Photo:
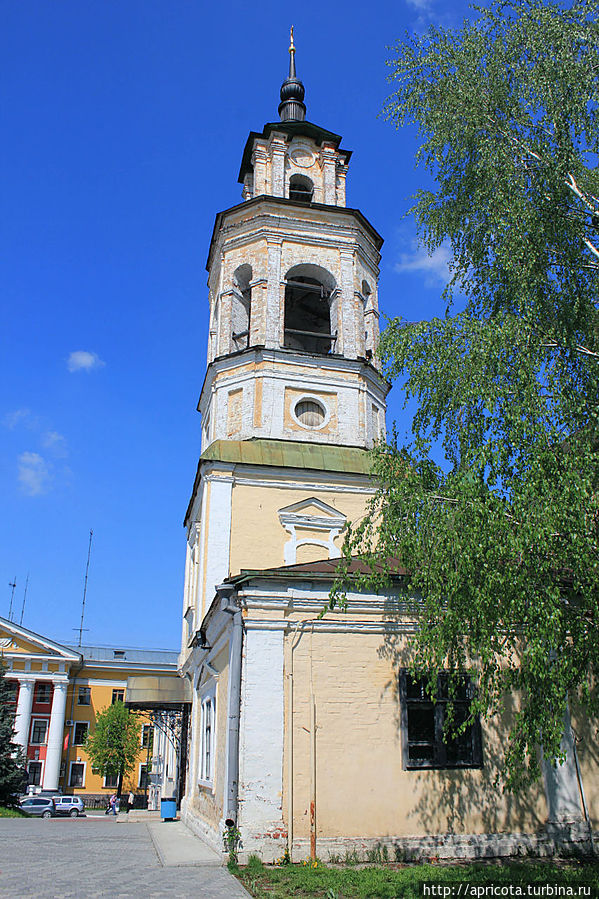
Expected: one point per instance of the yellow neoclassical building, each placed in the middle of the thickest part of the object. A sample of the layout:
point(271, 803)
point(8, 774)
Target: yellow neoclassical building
point(306, 730)
point(58, 692)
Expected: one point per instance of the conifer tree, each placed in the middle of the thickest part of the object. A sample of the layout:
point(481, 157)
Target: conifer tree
point(13, 774)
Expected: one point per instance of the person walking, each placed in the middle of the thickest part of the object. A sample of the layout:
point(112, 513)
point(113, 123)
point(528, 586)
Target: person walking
point(112, 803)
point(130, 800)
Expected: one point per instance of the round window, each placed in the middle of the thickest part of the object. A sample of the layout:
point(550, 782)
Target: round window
point(309, 413)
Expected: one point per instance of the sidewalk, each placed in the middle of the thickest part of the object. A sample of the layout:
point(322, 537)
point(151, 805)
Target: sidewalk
point(178, 847)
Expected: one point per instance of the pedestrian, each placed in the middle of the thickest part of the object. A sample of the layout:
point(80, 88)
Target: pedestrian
point(112, 803)
point(130, 801)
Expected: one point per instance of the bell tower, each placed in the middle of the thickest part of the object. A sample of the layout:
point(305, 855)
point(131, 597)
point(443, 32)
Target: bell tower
point(293, 295)
point(292, 398)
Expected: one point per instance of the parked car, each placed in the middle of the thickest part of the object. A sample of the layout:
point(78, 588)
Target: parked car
point(42, 808)
point(69, 805)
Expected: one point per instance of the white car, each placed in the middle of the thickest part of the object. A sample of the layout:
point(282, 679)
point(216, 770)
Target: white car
point(69, 805)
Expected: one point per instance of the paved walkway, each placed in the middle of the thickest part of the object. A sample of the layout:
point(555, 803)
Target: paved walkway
point(89, 857)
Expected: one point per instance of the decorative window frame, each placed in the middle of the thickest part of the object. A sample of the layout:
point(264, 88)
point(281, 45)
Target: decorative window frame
point(47, 687)
point(75, 723)
point(85, 691)
point(34, 720)
point(207, 749)
point(311, 398)
point(41, 763)
point(80, 786)
point(330, 523)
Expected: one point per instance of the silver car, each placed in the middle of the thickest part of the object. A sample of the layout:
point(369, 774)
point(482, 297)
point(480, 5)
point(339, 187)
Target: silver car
point(42, 808)
point(69, 805)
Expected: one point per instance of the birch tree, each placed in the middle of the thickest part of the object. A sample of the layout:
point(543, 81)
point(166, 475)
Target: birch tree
point(493, 506)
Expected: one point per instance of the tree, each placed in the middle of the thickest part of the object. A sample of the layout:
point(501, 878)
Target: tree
point(113, 746)
point(13, 772)
point(493, 505)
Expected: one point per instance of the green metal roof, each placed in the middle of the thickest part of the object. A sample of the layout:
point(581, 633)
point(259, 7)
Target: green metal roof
point(289, 454)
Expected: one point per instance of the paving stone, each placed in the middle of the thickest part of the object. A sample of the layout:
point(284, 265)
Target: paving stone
point(90, 857)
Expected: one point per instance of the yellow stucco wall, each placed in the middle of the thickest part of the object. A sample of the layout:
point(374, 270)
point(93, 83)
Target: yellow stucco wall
point(362, 787)
point(258, 537)
point(101, 682)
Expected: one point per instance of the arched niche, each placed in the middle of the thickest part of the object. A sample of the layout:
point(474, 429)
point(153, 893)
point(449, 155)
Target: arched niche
point(309, 298)
point(241, 307)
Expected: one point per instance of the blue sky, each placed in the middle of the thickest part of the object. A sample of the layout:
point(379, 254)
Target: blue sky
point(124, 122)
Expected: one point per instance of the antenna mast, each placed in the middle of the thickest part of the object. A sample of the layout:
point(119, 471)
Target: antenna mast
point(12, 593)
point(89, 551)
point(24, 598)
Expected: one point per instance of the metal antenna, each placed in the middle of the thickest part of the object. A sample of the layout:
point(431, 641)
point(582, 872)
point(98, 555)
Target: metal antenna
point(12, 593)
point(81, 628)
point(24, 598)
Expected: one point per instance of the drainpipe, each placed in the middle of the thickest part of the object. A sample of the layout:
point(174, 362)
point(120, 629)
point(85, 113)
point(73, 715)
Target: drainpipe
point(225, 591)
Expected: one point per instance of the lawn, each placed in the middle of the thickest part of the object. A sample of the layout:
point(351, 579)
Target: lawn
point(12, 813)
point(406, 881)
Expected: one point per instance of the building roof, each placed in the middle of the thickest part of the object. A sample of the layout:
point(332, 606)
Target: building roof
point(323, 569)
point(123, 654)
point(290, 454)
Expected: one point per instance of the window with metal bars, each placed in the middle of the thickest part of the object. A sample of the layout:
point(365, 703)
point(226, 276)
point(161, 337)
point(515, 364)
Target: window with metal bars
point(426, 741)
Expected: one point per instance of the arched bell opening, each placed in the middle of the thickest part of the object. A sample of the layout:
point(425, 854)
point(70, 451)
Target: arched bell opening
point(308, 293)
point(301, 189)
point(241, 307)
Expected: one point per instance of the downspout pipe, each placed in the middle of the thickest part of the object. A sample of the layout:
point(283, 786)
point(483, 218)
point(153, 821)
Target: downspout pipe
point(230, 607)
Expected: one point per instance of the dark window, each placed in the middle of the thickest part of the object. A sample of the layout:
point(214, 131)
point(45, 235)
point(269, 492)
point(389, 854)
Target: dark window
point(146, 735)
point(307, 316)
point(38, 731)
point(34, 774)
point(143, 777)
point(77, 773)
point(111, 780)
point(118, 696)
point(80, 734)
point(43, 693)
point(301, 189)
point(423, 718)
point(84, 696)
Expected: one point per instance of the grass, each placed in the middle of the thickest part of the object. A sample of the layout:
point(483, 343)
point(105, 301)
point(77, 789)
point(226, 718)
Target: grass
point(405, 881)
point(12, 813)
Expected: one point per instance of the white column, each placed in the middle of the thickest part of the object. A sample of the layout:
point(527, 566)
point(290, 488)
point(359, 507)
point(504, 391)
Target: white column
point(23, 716)
point(55, 734)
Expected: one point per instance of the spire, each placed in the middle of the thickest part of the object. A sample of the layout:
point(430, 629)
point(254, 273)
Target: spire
point(292, 107)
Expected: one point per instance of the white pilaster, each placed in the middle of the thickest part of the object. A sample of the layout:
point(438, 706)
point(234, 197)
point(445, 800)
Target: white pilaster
point(261, 743)
point(55, 734)
point(273, 295)
point(23, 715)
point(218, 537)
point(561, 782)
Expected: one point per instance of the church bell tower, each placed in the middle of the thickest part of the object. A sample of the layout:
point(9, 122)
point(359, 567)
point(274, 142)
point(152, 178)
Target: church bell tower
point(292, 397)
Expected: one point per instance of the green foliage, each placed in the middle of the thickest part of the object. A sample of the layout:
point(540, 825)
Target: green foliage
point(13, 774)
point(493, 506)
point(231, 842)
point(384, 883)
point(113, 746)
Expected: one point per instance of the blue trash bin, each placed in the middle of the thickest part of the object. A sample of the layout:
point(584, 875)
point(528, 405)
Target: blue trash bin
point(168, 808)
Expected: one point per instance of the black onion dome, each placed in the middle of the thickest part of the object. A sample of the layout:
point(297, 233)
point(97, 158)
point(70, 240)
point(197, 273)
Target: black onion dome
point(292, 107)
